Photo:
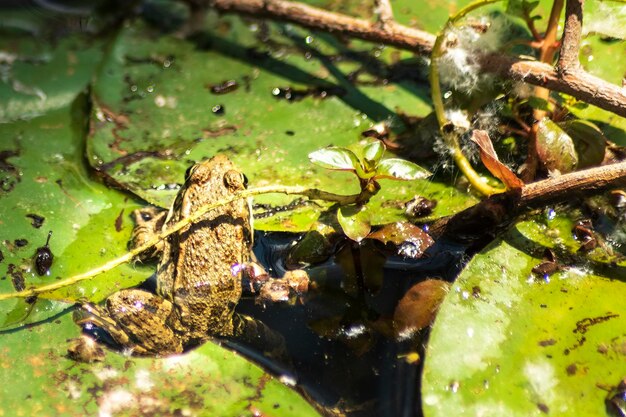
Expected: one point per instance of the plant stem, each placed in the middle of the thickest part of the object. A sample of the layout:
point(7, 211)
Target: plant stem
point(312, 193)
point(451, 139)
point(546, 55)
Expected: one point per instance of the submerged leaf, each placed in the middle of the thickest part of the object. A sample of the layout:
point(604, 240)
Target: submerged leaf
point(418, 307)
point(555, 147)
point(492, 163)
point(400, 169)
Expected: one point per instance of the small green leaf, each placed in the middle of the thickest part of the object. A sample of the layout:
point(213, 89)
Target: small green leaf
point(400, 169)
point(373, 152)
point(539, 104)
point(589, 141)
point(354, 221)
point(521, 8)
point(335, 158)
point(555, 147)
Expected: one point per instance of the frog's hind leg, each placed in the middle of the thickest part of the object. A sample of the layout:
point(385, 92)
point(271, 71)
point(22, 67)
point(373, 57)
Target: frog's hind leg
point(136, 320)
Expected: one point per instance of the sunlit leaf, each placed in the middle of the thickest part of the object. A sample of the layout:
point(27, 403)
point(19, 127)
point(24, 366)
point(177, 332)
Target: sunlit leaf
point(589, 141)
point(335, 158)
point(506, 342)
point(354, 221)
point(400, 169)
point(208, 381)
point(373, 152)
point(492, 163)
point(555, 147)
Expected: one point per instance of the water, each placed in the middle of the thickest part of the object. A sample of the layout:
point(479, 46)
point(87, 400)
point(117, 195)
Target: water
point(341, 351)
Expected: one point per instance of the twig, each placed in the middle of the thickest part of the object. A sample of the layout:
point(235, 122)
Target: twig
point(311, 17)
point(312, 193)
point(570, 42)
point(546, 55)
point(484, 218)
point(580, 85)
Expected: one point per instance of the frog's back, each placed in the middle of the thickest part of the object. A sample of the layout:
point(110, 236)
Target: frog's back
point(195, 272)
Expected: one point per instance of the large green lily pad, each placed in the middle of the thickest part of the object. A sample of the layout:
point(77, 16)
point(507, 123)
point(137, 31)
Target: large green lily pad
point(209, 381)
point(509, 342)
point(44, 177)
point(154, 113)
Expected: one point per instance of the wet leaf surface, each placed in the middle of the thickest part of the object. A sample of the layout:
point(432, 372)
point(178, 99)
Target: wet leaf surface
point(209, 381)
point(507, 342)
point(153, 118)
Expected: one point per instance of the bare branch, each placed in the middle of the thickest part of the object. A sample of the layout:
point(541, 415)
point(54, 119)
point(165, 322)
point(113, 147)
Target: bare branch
point(498, 210)
point(581, 85)
point(311, 17)
point(570, 42)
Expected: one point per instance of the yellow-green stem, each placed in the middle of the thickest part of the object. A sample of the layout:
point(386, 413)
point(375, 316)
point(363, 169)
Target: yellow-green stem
point(311, 193)
point(451, 139)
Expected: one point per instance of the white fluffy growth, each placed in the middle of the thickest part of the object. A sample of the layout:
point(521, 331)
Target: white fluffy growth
point(457, 67)
point(605, 18)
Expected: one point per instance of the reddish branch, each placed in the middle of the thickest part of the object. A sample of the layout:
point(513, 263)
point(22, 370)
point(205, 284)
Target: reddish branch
point(579, 84)
point(485, 217)
point(311, 17)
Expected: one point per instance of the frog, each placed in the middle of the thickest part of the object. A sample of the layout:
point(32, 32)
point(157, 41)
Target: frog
point(197, 282)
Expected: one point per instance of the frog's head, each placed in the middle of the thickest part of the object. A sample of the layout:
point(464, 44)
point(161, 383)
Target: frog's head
point(216, 172)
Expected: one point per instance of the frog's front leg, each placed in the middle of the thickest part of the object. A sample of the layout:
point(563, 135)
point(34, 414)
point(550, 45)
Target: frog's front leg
point(148, 223)
point(136, 320)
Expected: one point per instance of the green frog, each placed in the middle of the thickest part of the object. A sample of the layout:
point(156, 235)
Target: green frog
point(197, 286)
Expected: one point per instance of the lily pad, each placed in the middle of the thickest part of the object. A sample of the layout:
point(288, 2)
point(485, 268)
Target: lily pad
point(156, 113)
point(46, 180)
point(507, 342)
point(208, 381)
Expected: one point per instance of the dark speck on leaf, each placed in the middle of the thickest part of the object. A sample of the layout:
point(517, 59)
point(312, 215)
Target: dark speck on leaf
point(20, 243)
point(218, 110)
point(36, 220)
point(44, 257)
point(547, 342)
point(1, 256)
point(224, 87)
point(543, 408)
point(571, 369)
point(290, 132)
point(419, 206)
point(17, 279)
point(119, 220)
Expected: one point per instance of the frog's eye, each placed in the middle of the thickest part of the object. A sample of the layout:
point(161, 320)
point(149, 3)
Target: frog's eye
point(234, 180)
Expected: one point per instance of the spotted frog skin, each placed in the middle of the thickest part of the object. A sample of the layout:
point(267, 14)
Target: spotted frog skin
point(197, 290)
